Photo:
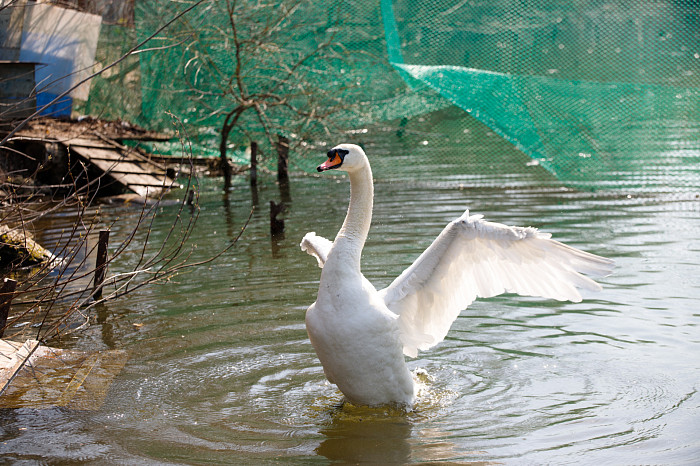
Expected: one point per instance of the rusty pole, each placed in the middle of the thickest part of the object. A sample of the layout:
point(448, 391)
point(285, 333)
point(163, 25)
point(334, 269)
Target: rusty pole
point(101, 264)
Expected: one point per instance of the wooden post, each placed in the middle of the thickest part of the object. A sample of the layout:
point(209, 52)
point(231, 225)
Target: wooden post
point(190, 197)
point(7, 292)
point(253, 164)
point(254, 172)
point(283, 168)
point(101, 264)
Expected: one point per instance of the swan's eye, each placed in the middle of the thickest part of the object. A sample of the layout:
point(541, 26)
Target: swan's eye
point(337, 152)
point(335, 159)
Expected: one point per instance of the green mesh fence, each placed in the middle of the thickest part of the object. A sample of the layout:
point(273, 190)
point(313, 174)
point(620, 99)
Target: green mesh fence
point(325, 60)
point(117, 92)
point(600, 94)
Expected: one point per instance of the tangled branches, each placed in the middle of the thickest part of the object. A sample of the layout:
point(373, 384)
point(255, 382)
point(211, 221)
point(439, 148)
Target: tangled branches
point(56, 297)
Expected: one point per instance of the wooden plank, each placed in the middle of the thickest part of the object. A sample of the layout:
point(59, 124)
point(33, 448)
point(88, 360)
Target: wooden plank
point(101, 153)
point(143, 170)
point(133, 172)
point(128, 166)
point(7, 349)
point(119, 162)
point(136, 178)
point(158, 175)
point(124, 152)
point(135, 153)
point(14, 356)
point(142, 191)
point(123, 167)
point(87, 142)
point(46, 377)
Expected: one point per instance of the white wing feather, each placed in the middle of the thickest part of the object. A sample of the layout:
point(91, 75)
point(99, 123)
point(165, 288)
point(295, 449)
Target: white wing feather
point(474, 258)
point(317, 246)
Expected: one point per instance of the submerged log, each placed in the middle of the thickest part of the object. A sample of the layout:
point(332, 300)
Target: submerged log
point(18, 249)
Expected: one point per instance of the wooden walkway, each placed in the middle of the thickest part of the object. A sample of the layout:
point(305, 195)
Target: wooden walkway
point(99, 145)
point(125, 165)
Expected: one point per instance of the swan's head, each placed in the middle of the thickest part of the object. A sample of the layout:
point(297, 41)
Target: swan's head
point(345, 157)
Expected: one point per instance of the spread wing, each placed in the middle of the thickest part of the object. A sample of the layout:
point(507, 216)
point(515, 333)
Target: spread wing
point(474, 258)
point(317, 246)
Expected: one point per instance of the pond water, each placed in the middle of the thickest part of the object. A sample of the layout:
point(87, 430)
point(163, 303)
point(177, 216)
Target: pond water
point(220, 368)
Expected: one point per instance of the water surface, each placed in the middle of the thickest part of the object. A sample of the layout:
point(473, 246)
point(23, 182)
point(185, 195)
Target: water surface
point(220, 368)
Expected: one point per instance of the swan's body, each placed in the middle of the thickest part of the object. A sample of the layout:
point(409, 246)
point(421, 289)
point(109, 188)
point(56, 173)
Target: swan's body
point(361, 335)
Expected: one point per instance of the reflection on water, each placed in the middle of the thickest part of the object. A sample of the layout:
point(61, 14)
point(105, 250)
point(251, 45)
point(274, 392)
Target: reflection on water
point(387, 435)
point(220, 368)
point(367, 436)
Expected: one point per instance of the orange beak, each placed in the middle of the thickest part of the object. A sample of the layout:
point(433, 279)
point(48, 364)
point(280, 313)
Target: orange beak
point(332, 162)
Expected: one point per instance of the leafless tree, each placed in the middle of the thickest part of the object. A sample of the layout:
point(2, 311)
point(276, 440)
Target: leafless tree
point(272, 68)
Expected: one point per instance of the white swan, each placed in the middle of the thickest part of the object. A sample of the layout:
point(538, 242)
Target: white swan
point(361, 335)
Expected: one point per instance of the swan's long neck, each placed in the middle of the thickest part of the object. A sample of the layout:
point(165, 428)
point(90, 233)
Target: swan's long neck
point(353, 233)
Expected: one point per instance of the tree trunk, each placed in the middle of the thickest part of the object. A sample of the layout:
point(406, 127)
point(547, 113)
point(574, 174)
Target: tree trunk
point(229, 122)
point(223, 161)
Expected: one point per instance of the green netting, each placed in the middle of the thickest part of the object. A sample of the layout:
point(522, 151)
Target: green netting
point(320, 58)
point(117, 92)
point(601, 94)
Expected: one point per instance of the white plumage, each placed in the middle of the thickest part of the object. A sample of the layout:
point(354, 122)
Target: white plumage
point(361, 335)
